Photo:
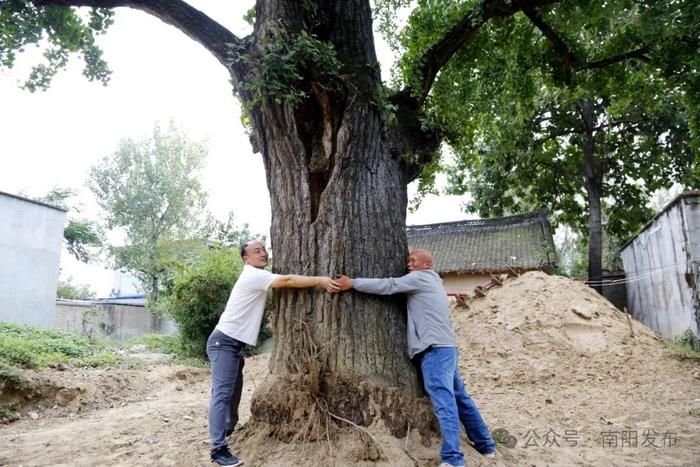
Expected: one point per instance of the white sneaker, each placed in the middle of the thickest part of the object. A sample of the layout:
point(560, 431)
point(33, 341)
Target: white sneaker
point(445, 464)
point(490, 454)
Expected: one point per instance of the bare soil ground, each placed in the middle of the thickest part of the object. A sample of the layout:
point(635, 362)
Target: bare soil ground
point(553, 367)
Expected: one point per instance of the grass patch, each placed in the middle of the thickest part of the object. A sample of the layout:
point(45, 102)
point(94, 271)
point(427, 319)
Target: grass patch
point(191, 361)
point(31, 347)
point(23, 346)
point(171, 345)
point(157, 343)
point(98, 360)
point(685, 346)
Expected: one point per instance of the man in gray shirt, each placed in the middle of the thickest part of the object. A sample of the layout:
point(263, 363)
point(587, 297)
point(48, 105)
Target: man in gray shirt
point(431, 341)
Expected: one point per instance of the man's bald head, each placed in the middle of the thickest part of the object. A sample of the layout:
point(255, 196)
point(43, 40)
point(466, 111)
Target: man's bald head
point(419, 260)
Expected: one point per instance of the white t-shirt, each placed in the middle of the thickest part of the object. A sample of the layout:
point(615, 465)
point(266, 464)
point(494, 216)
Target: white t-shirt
point(243, 314)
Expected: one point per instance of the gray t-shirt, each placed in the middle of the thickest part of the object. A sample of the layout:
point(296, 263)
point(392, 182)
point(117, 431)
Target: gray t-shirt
point(428, 309)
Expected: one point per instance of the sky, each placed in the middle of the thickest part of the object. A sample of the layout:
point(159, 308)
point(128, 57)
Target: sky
point(51, 139)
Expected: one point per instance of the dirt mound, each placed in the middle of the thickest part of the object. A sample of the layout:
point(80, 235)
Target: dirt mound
point(73, 392)
point(564, 313)
point(559, 369)
point(539, 327)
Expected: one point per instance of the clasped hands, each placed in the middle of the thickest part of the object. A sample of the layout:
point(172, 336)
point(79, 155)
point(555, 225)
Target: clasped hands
point(340, 284)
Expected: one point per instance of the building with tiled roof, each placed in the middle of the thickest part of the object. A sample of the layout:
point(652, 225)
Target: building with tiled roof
point(465, 253)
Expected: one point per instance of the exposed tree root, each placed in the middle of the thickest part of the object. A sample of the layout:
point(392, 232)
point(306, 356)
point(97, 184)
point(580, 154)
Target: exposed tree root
point(286, 410)
point(292, 411)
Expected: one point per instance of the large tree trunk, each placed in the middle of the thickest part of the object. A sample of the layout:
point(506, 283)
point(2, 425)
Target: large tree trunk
point(350, 220)
point(338, 200)
point(593, 189)
point(338, 197)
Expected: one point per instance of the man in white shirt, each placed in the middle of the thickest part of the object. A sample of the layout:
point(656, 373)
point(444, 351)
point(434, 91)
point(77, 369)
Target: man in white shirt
point(239, 325)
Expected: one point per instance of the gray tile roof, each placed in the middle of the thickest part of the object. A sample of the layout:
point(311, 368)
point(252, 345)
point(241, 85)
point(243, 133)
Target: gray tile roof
point(487, 245)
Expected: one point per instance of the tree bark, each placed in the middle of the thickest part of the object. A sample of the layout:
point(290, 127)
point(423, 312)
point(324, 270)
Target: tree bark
point(593, 190)
point(353, 225)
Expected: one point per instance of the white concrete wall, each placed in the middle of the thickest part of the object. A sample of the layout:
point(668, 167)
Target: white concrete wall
point(110, 320)
point(31, 235)
point(661, 291)
point(691, 216)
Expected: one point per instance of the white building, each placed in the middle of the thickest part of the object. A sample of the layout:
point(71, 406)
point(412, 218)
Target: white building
point(662, 267)
point(31, 236)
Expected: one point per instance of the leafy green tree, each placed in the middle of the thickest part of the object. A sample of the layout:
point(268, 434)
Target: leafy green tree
point(70, 291)
point(150, 189)
point(589, 136)
point(228, 233)
point(83, 238)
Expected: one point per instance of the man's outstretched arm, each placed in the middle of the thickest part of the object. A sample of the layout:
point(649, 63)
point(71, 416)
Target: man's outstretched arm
point(304, 282)
point(389, 286)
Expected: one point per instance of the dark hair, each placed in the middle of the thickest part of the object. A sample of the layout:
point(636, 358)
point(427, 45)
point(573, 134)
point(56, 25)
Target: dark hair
point(244, 246)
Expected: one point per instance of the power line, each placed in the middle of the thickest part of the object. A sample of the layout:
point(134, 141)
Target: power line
point(647, 274)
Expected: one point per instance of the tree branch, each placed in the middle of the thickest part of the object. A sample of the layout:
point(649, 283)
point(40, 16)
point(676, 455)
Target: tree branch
point(569, 60)
point(440, 53)
point(567, 56)
point(556, 134)
point(639, 54)
point(195, 24)
point(559, 169)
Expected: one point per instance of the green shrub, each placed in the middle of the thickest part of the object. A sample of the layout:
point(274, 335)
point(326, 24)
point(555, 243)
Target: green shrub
point(685, 346)
point(18, 352)
point(687, 339)
point(31, 347)
point(199, 295)
point(52, 359)
point(36, 340)
point(9, 376)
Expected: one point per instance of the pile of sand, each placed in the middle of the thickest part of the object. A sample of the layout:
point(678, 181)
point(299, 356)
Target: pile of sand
point(565, 373)
point(554, 368)
point(538, 327)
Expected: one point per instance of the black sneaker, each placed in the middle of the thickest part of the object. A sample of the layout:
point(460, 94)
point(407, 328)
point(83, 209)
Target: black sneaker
point(223, 456)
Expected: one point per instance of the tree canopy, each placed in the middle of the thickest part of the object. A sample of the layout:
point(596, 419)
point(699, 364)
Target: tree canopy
point(589, 103)
point(150, 189)
point(83, 238)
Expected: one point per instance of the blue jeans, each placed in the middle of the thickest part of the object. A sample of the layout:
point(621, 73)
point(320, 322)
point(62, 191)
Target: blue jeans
point(226, 356)
point(453, 404)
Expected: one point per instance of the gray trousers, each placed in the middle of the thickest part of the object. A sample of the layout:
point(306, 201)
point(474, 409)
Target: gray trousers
point(226, 356)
